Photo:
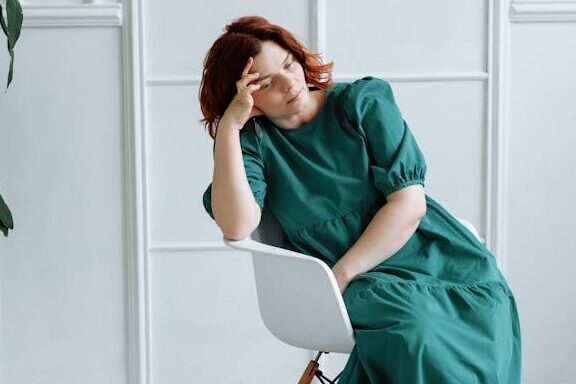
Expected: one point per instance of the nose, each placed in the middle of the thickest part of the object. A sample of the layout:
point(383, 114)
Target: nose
point(289, 84)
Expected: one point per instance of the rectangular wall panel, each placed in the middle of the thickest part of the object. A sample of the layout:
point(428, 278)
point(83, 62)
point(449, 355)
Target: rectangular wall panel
point(542, 197)
point(61, 172)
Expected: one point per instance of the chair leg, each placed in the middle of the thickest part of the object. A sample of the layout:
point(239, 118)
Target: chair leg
point(312, 370)
point(309, 373)
point(321, 377)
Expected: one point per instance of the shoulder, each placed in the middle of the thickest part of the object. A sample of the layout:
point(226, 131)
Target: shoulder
point(363, 93)
point(367, 87)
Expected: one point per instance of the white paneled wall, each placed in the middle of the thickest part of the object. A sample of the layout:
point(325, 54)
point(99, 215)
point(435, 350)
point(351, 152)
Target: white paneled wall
point(62, 280)
point(448, 119)
point(175, 171)
point(542, 193)
point(399, 38)
point(206, 325)
point(115, 273)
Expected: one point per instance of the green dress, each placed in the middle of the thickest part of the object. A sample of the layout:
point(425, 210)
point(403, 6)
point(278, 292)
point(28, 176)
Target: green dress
point(438, 310)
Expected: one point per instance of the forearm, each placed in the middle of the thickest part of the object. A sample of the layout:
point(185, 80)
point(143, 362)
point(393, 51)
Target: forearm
point(233, 204)
point(389, 230)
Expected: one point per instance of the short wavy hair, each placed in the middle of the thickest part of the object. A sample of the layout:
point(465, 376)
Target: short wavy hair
point(226, 59)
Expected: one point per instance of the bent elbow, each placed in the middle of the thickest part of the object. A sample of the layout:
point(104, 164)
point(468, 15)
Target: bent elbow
point(242, 229)
point(235, 236)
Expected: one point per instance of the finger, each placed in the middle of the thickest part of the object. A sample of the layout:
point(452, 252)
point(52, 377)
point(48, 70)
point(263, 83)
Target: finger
point(244, 82)
point(247, 67)
point(250, 77)
point(253, 87)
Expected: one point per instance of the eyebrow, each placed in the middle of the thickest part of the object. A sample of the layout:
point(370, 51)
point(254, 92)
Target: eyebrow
point(267, 76)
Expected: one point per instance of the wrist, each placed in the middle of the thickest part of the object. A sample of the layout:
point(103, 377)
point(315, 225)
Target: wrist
point(228, 123)
point(342, 271)
point(226, 130)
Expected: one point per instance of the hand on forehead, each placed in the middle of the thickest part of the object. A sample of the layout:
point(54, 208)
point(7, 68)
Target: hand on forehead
point(270, 60)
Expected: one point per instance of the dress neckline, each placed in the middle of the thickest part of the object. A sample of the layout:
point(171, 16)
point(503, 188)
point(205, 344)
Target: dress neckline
point(306, 126)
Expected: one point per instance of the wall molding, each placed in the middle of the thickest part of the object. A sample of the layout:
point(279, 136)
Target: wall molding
point(418, 77)
point(135, 198)
point(498, 130)
point(73, 15)
point(542, 11)
point(318, 26)
point(175, 80)
point(186, 246)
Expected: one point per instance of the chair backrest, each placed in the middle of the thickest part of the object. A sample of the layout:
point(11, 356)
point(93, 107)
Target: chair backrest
point(269, 230)
point(298, 297)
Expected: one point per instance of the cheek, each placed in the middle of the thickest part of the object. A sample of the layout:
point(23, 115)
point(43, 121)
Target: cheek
point(261, 100)
point(258, 97)
point(267, 100)
point(300, 71)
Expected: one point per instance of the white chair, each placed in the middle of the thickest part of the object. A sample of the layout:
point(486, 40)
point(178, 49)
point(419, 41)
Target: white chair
point(298, 296)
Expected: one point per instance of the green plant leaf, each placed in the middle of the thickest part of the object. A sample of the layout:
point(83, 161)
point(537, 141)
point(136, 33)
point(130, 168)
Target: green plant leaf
point(3, 22)
point(6, 221)
point(14, 17)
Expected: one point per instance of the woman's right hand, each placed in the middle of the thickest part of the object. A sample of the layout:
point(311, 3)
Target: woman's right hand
point(242, 107)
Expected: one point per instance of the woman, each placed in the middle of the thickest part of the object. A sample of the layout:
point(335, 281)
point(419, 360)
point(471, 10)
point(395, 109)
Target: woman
point(340, 170)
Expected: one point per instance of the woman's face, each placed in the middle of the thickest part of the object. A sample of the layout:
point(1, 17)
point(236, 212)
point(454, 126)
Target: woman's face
point(281, 78)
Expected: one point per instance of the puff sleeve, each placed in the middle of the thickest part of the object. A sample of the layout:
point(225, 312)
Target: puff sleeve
point(396, 161)
point(253, 165)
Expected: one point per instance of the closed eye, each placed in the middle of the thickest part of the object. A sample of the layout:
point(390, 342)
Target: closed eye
point(288, 65)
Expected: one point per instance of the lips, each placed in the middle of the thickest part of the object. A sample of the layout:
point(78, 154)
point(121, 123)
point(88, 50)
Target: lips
point(296, 96)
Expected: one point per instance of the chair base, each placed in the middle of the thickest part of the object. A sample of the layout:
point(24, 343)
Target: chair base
point(312, 370)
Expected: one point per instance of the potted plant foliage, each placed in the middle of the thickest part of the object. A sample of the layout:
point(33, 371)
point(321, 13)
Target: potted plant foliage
point(11, 26)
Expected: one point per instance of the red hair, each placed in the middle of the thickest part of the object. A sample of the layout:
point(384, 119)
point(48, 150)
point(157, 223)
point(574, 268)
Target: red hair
point(226, 59)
